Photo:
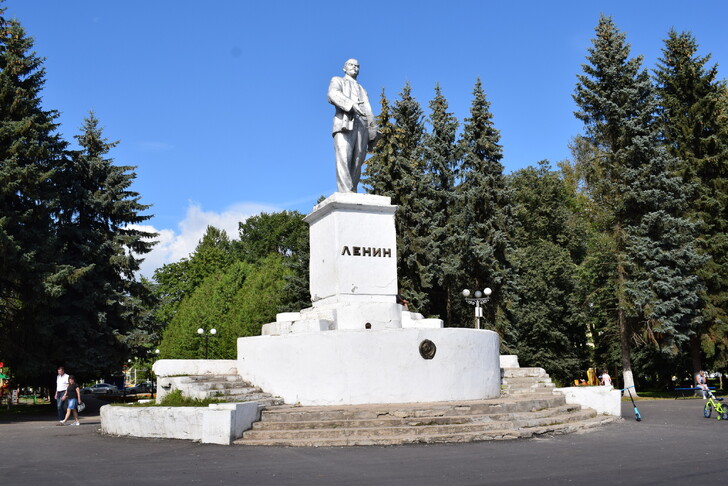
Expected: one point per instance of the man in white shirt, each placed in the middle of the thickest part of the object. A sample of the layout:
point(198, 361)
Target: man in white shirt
point(61, 385)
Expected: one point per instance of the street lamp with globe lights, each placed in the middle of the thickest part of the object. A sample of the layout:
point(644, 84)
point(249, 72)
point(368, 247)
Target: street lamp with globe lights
point(201, 333)
point(477, 299)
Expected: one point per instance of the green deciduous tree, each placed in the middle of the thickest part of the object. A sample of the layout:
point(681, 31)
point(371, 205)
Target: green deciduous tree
point(235, 301)
point(550, 240)
point(177, 281)
point(283, 234)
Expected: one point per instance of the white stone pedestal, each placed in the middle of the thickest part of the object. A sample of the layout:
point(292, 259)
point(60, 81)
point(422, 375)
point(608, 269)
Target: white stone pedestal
point(353, 267)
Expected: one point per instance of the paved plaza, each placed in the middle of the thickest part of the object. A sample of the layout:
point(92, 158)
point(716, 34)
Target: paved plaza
point(673, 444)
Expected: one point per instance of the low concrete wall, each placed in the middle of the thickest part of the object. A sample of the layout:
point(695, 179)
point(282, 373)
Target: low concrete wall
point(509, 361)
point(604, 399)
point(179, 367)
point(219, 423)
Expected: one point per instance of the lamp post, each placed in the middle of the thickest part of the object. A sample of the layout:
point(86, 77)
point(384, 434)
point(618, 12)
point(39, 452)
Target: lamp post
point(477, 299)
point(201, 332)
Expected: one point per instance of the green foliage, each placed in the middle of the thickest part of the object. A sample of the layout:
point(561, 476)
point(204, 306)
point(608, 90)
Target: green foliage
point(235, 301)
point(442, 158)
point(31, 153)
point(175, 398)
point(693, 110)
point(381, 169)
point(483, 212)
point(178, 280)
point(397, 170)
point(640, 203)
point(284, 234)
point(550, 238)
point(67, 238)
point(103, 303)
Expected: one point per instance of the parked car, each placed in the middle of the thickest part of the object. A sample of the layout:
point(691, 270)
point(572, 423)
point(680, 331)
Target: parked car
point(99, 389)
point(141, 388)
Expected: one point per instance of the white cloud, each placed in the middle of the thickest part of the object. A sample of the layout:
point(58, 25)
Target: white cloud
point(174, 245)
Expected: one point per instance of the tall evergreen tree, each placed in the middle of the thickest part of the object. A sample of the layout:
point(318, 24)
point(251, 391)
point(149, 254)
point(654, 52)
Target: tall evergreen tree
point(30, 153)
point(397, 170)
point(641, 203)
point(442, 157)
point(693, 122)
point(483, 216)
point(382, 169)
point(96, 225)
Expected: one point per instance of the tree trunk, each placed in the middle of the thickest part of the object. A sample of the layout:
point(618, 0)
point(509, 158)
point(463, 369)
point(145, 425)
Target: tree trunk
point(695, 354)
point(448, 306)
point(624, 330)
point(628, 379)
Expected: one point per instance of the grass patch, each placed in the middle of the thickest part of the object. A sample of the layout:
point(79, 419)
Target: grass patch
point(176, 399)
point(42, 407)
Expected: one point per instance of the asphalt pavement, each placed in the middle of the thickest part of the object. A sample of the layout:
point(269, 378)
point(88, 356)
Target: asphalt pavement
point(673, 444)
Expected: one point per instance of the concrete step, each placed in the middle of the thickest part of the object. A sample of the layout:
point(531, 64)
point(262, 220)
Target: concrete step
point(375, 431)
point(384, 441)
point(391, 424)
point(288, 413)
point(415, 421)
point(213, 378)
point(434, 426)
point(523, 372)
point(526, 380)
point(560, 418)
point(543, 390)
point(494, 434)
point(230, 388)
point(570, 427)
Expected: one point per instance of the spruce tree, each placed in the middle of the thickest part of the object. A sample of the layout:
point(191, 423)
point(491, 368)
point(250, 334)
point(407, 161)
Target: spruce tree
point(653, 255)
point(442, 157)
point(692, 117)
point(397, 170)
point(96, 225)
point(483, 217)
point(30, 154)
point(381, 168)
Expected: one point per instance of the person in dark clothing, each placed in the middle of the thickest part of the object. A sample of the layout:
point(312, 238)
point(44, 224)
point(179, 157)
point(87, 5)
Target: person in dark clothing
point(73, 397)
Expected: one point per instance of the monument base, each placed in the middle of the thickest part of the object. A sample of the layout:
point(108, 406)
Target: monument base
point(374, 366)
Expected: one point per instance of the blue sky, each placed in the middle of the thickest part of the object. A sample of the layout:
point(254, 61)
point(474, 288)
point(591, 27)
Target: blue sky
point(222, 106)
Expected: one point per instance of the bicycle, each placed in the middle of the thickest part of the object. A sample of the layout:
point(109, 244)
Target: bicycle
point(715, 403)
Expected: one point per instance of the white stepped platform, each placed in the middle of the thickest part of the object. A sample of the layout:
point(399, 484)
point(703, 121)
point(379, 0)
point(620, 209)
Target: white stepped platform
point(373, 366)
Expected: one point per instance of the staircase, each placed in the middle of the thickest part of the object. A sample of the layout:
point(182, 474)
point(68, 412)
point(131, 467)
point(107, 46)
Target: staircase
point(229, 388)
point(509, 417)
point(525, 381)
